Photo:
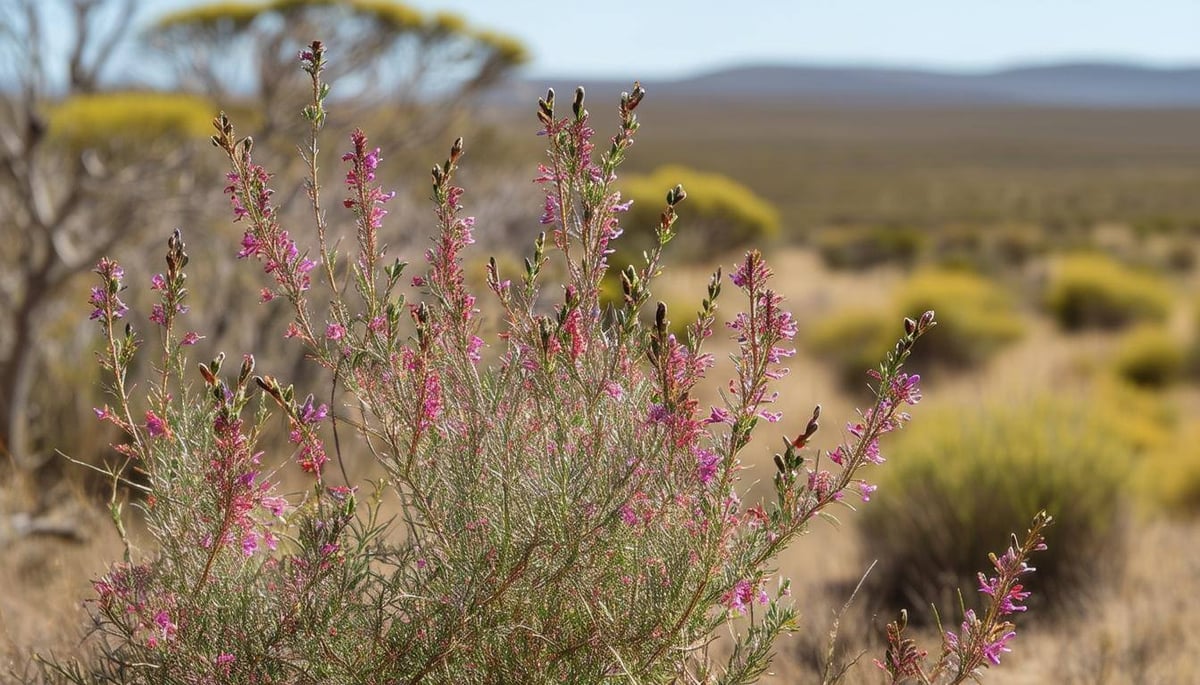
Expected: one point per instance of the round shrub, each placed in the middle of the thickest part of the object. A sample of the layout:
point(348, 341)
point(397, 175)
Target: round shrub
point(977, 317)
point(126, 117)
point(976, 320)
point(854, 247)
point(958, 484)
point(720, 214)
point(1149, 356)
point(1095, 291)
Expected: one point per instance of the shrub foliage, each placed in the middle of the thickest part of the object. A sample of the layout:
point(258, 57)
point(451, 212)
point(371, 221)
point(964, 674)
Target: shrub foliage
point(1095, 291)
point(976, 320)
point(959, 482)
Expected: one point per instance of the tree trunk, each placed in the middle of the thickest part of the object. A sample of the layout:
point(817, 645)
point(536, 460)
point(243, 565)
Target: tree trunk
point(16, 386)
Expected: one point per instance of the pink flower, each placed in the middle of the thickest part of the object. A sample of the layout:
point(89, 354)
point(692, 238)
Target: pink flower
point(1008, 603)
point(614, 390)
point(223, 661)
point(335, 331)
point(310, 413)
point(905, 389)
point(550, 211)
point(718, 415)
point(628, 515)
point(163, 620)
point(992, 650)
point(866, 489)
point(706, 464)
point(155, 426)
point(837, 456)
point(275, 505)
point(739, 598)
point(473, 347)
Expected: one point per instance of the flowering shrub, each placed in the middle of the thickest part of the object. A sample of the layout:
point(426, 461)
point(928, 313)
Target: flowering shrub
point(568, 509)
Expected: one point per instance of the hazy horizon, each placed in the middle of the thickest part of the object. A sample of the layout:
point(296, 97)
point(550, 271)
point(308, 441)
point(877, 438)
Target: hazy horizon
point(666, 40)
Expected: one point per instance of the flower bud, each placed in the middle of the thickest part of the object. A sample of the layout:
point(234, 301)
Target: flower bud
point(577, 105)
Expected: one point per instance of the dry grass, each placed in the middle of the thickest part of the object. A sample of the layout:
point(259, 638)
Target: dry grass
point(45, 578)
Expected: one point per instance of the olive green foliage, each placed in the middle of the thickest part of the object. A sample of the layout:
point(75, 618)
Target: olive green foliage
point(1139, 417)
point(857, 247)
point(722, 213)
point(393, 16)
point(850, 340)
point(1169, 477)
point(992, 247)
point(1089, 290)
point(960, 482)
point(1192, 360)
point(976, 317)
point(130, 117)
point(1150, 356)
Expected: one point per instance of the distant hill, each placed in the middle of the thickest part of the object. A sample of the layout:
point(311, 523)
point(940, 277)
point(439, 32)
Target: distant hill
point(1099, 85)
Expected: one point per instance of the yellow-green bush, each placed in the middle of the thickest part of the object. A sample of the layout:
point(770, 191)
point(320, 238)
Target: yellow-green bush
point(854, 340)
point(957, 484)
point(976, 319)
point(719, 214)
point(1192, 361)
point(1169, 478)
point(1142, 418)
point(1094, 291)
point(856, 247)
point(123, 118)
point(1149, 356)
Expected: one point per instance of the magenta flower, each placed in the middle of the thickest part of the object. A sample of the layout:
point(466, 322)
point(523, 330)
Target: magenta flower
point(718, 415)
point(335, 331)
point(706, 464)
point(223, 662)
point(550, 210)
point(837, 455)
point(614, 390)
point(905, 388)
point(310, 414)
point(628, 515)
point(473, 348)
point(992, 650)
point(866, 490)
point(744, 593)
point(155, 426)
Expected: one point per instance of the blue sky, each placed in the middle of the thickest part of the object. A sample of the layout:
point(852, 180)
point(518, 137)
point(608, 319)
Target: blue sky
point(654, 39)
